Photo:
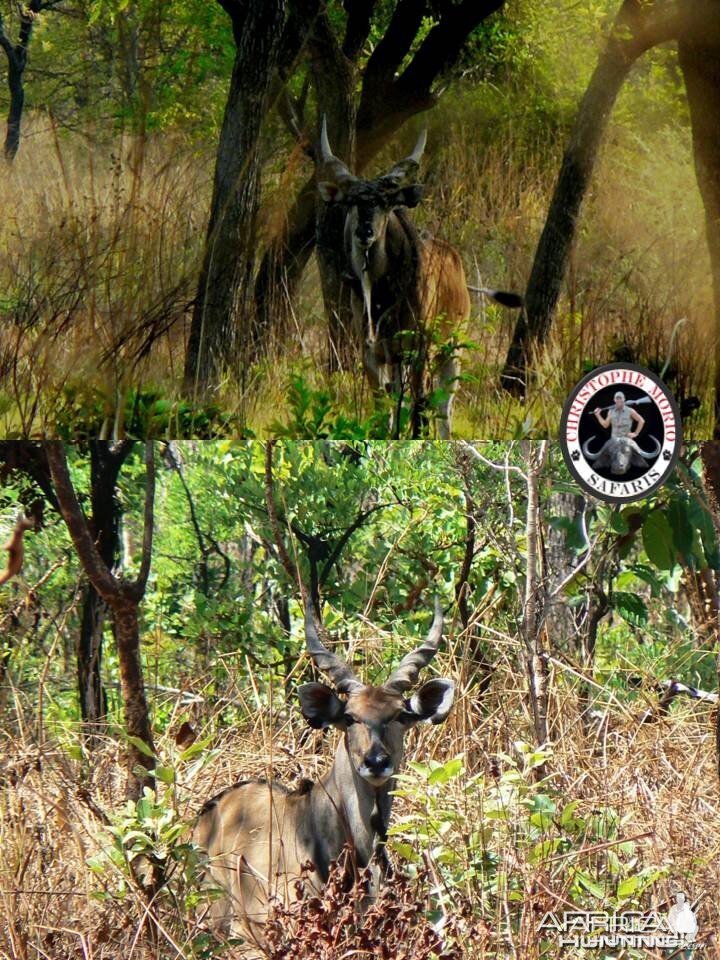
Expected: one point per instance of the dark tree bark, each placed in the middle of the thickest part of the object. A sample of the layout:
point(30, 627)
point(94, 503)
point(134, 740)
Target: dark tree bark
point(463, 589)
point(638, 26)
point(700, 64)
point(222, 325)
point(389, 97)
point(123, 597)
point(334, 78)
point(16, 54)
point(106, 460)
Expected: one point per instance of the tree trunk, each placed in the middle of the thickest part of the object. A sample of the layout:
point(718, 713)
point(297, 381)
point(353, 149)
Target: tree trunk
point(556, 240)
point(137, 717)
point(93, 702)
point(123, 597)
point(281, 270)
point(638, 26)
point(222, 325)
point(106, 459)
point(16, 69)
point(700, 64)
point(335, 79)
point(561, 619)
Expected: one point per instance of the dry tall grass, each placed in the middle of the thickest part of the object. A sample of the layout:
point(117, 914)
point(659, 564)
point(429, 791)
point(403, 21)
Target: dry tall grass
point(659, 778)
point(100, 249)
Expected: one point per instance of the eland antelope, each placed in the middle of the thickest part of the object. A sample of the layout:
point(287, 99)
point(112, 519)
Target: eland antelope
point(258, 835)
point(408, 290)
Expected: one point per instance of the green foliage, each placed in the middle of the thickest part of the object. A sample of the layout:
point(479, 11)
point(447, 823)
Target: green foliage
point(144, 836)
point(313, 415)
point(147, 842)
point(86, 411)
point(476, 830)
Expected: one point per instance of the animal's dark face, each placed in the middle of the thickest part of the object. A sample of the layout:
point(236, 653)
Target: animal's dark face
point(369, 204)
point(619, 455)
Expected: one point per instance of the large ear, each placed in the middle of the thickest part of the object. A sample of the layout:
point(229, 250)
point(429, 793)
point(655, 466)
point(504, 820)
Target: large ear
point(433, 700)
point(330, 192)
point(319, 705)
point(408, 196)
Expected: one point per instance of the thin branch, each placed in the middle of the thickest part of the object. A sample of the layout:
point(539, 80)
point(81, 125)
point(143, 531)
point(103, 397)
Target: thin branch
point(138, 588)
point(284, 556)
point(340, 545)
point(501, 467)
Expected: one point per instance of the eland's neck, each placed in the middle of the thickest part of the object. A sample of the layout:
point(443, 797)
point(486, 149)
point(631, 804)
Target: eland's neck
point(345, 808)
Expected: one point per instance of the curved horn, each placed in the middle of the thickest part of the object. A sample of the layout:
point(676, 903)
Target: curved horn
point(333, 165)
point(586, 449)
point(408, 167)
point(406, 673)
point(330, 663)
point(655, 452)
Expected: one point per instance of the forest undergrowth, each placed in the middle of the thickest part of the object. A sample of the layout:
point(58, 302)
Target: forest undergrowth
point(488, 834)
point(101, 254)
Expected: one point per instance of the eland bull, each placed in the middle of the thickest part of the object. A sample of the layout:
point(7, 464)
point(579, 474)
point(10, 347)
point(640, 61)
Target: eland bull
point(618, 454)
point(258, 835)
point(408, 290)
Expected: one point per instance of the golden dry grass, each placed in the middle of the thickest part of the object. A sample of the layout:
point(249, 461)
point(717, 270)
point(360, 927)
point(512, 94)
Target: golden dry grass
point(660, 779)
point(100, 253)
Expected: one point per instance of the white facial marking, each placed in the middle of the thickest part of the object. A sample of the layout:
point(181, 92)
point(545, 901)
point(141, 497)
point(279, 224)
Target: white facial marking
point(358, 258)
point(376, 777)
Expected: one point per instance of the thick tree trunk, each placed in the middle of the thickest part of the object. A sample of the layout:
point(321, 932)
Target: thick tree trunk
point(222, 324)
point(638, 26)
point(556, 240)
point(700, 64)
point(335, 79)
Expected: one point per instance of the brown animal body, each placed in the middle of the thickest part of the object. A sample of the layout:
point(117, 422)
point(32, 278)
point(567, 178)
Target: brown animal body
point(15, 547)
point(259, 835)
point(409, 292)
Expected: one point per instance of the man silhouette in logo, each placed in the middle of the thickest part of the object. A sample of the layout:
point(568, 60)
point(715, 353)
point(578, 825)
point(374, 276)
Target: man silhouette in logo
point(621, 451)
point(620, 418)
point(681, 919)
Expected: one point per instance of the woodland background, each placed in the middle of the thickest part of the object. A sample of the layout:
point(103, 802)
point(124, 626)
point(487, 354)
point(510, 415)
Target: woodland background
point(122, 155)
point(574, 768)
